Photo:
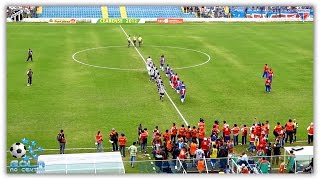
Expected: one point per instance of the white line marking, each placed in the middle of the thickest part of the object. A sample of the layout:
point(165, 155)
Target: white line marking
point(164, 90)
point(122, 69)
point(102, 67)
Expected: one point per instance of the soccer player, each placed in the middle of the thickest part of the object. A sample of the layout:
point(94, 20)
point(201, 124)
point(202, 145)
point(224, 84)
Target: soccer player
point(29, 54)
point(270, 74)
point(310, 133)
point(161, 92)
point(29, 74)
point(149, 63)
point(178, 88)
point(129, 41)
point(134, 40)
point(265, 71)
point(140, 40)
point(162, 61)
point(268, 85)
point(167, 70)
point(183, 94)
point(152, 73)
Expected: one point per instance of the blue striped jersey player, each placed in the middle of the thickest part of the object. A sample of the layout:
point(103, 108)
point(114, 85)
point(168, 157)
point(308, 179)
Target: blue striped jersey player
point(183, 94)
point(162, 61)
point(167, 70)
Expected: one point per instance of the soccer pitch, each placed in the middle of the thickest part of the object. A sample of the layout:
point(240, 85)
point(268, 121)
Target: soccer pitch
point(116, 93)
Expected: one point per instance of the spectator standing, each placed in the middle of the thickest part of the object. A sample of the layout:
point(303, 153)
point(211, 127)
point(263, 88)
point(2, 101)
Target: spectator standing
point(235, 132)
point(201, 166)
point(122, 143)
point(291, 162)
point(173, 133)
point(114, 139)
point(276, 152)
point(133, 153)
point(62, 141)
point(244, 133)
point(310, 133)
point(99, 142)
point(143, 141)
point(289, 126)
point(29, 74)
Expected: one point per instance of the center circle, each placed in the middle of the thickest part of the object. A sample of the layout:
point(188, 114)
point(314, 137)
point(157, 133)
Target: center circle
point(140, 69)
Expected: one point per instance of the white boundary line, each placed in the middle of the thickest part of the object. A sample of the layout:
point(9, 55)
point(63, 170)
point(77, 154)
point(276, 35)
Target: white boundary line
point(102, 67)
point(174, 105)
point(122, 69)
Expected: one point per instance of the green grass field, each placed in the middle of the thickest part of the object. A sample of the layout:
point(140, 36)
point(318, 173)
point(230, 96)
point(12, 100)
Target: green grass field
point(82, 100)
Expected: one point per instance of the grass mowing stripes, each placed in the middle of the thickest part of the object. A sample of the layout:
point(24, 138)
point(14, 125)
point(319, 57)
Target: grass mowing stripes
point(83, 100)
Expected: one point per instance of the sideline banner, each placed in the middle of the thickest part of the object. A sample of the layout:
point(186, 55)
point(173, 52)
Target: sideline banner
point(119, 20)
point(170, 20)
point(63, 20)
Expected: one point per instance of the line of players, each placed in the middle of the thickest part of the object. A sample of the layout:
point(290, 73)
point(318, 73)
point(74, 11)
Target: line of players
point(155, 76)
point(268, 73)
point(175, 81)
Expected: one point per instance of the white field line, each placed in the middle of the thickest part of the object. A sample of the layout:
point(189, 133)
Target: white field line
point(174, 105)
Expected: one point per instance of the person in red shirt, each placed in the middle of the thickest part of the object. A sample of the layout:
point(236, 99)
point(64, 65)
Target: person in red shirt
point(251, 147)
point(194, 133)
point(122, 143)
point(289, 130)
point(188, 134)
point(226, 132)
point(265, 71)
point(268, 85)
point(99, 142)
point(205, 145)
point(244, 133)
point(235, 131)
point(143, 141)
point(173, 133)
point(166, 136)
point(270, 74)
point(277, 129)
point(182, 132)
point(201, 124)
point(201, 135)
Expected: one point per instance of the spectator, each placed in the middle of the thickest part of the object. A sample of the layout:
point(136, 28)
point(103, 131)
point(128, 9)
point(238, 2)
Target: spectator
point(235, 131)
point(133, 153)
point(291, 162)
point(244, 133)
point(143, 141)
point(243, 159)
point(276, 152)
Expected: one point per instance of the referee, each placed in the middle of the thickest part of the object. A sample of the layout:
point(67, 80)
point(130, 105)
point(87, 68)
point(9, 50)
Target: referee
point(129, 41)
point(29, 54)
point(29, 74)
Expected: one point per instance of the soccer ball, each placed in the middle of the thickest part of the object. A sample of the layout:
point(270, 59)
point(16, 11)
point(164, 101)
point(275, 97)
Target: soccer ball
point(96, 143)
point(18, 150)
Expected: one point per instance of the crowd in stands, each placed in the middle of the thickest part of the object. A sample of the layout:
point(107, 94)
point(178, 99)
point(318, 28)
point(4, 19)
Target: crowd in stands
point(27, 11)
point(225, 11)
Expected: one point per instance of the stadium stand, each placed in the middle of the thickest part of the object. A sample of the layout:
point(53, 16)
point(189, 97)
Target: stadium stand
point(71, 12)
point(156, 12)
point(114, 12)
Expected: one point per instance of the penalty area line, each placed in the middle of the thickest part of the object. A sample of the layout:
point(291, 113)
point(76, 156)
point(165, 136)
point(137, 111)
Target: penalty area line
point(145, 62)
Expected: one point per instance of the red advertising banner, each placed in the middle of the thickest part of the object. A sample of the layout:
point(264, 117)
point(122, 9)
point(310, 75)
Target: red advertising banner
point(170, 20)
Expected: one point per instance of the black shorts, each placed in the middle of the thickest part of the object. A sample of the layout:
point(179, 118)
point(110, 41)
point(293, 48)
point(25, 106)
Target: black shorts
point(161, 94)
point(134, 41)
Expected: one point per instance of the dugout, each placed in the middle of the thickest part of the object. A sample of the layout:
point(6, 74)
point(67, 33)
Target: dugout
point(304, 154)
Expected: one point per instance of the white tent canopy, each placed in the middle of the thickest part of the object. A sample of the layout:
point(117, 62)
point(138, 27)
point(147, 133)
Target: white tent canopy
point(305, 154)
point(82, 163)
